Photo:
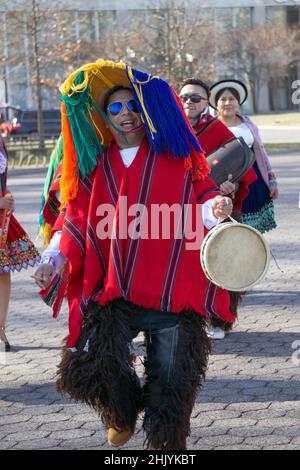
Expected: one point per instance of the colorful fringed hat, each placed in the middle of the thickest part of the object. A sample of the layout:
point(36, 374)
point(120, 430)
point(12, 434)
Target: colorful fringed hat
point(84, 129)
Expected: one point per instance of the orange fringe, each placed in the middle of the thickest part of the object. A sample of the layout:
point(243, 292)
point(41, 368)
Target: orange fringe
point(70, 174)
point(196, 163)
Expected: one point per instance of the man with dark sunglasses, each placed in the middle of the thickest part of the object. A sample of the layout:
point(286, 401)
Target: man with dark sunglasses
point(194, 95)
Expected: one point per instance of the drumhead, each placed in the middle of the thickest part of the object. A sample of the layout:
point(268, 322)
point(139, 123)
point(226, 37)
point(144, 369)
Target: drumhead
point(235, 256)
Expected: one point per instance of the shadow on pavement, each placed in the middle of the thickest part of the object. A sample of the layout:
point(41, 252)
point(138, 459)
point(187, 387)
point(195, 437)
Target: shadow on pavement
point(33, 394)
point(257, 344)
point(214, 391)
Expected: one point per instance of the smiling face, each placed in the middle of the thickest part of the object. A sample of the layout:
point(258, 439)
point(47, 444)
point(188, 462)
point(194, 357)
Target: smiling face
point(227, 105)
point(126, 120)
point(192, 109)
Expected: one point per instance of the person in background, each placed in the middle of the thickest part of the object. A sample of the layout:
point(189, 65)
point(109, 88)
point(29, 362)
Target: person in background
point(226, 96)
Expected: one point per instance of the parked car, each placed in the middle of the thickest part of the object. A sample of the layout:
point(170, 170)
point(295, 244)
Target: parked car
point(27, 121)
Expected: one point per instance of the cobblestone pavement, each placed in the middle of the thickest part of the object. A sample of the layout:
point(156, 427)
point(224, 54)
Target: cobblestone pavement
point(251, 399)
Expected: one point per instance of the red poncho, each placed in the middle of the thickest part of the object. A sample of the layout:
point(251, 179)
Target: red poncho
point(212, 134)
point(156, 273)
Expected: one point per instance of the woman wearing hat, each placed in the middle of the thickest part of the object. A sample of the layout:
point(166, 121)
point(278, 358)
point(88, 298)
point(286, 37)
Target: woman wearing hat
point(258, 210)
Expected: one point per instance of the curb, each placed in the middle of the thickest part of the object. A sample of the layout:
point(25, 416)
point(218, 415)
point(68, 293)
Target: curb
point(26, 170)
point(279, 151)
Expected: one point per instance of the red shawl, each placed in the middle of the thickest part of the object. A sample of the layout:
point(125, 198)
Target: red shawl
point(156, 273)
point(212, 134)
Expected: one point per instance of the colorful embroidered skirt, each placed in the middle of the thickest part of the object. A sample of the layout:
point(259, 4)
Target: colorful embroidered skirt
point(258, 207)
point(20, 252)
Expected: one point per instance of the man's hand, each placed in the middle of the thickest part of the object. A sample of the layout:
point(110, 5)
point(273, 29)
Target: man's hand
point(228, 187)
point(43, 275)
point(7, 203)
point(221, 207)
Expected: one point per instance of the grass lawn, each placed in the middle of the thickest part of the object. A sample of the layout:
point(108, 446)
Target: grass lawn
point(282, 119)
point(283, 147)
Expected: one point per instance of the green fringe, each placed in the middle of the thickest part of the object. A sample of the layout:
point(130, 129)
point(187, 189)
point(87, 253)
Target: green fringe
point(263, 220)
point(55, 159)
point(86, 142)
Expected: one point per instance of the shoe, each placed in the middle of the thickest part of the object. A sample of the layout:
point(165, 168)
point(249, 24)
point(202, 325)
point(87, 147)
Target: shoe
point(118, 438)
point(5, 341)
point(215, 333)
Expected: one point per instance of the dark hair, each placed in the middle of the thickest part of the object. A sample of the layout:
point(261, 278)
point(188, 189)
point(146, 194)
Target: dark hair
point(196, 81)
point(233, 91)
point(111, 92)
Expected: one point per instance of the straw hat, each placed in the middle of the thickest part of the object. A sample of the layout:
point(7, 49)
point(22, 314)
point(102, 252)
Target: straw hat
point(235, 84)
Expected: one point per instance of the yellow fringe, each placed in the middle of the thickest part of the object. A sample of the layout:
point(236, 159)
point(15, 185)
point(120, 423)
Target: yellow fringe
point(96, 127)
point(90, 70)
point(45, 232)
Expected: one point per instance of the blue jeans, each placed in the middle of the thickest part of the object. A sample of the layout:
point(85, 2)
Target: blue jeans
point(161, 333)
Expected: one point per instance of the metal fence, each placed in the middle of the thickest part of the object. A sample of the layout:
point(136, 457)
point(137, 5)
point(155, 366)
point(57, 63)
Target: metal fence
point(25, 150)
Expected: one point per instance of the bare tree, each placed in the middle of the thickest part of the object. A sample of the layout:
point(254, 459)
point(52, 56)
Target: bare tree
point(41, 41)
point(36, 19)
point(174, 44)
point(264, 54)
point(172, 41)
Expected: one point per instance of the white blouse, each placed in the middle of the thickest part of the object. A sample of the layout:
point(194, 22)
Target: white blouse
point(242, 130)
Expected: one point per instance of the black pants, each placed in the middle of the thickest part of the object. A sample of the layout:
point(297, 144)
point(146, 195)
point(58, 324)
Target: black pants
point(101, 372)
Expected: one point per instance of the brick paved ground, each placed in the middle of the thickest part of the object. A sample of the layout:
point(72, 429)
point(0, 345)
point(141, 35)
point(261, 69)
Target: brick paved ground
point(251, 396)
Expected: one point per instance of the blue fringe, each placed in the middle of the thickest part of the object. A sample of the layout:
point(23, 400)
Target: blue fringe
point(173, 133)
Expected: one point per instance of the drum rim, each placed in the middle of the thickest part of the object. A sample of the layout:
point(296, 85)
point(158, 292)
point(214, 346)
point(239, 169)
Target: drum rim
point(212, 233)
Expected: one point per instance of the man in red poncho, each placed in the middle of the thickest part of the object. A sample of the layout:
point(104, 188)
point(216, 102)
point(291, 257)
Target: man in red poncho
point(123, 282)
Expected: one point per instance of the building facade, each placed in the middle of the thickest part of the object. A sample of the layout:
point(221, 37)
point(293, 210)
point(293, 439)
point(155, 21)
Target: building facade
point(93, 20)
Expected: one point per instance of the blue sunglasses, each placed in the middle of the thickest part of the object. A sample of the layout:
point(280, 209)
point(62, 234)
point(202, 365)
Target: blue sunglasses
point(116, 107)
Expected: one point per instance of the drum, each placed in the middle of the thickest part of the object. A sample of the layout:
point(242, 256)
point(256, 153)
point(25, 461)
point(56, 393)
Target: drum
point(234, 256)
